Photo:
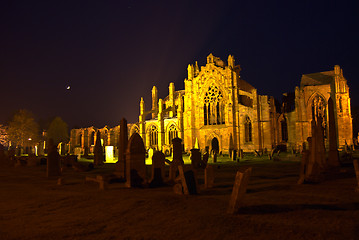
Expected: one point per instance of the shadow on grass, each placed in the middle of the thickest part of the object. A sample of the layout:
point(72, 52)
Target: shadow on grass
point(273, 208)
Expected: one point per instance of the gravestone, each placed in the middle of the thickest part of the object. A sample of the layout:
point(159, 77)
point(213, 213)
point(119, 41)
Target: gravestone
point(205, 159)
point(313, 169)
point(150, 153)
point(123, 142)
point(99, 179)
point(196, 161)
point(77, 152)
point(304, 163)
point(239, 190)
point(356, 168)
point(234, 155)
point(208, 177)
point(177, 158)
point(158, 169)
point(333, 155)
point(135, 161)
point(109, 154)
point(98, 152)
point(186, 182)
point(53, 161)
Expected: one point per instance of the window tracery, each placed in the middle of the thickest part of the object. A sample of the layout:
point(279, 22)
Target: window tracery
point(214, 107)
point(153, 135)
point(172, 133)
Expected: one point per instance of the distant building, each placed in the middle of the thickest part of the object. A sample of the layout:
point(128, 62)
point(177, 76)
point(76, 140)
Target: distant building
point(220, 110)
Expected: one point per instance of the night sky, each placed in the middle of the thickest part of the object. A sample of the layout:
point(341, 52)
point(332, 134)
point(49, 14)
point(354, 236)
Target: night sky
point(112, 52)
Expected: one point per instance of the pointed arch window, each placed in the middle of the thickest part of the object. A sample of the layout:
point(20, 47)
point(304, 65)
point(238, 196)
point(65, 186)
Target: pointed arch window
point(247, 130)
point(172, 133)
point(153, 135)
point(319, 110)
point(213, 108)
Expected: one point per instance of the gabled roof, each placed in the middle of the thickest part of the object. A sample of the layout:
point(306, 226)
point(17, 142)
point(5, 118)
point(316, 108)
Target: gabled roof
point(313, 79)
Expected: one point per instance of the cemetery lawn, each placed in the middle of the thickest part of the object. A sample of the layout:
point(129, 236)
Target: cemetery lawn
point(275, 207)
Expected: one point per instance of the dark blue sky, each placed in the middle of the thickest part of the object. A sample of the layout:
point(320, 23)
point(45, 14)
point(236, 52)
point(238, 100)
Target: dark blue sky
point(112, 52)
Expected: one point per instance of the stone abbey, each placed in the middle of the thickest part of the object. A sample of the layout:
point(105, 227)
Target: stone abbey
point(220, 110)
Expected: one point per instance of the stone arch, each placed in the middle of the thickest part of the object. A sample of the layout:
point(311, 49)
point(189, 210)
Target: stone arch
point(283, 128)
point(152, 132)
point(317, 106)
point(215, 145)
point(210, 139)
point(213, 105)
point(171, 132)
point(134, 129)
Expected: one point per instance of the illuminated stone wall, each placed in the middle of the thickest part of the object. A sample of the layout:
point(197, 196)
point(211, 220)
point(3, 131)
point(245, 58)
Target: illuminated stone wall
point(312, 95)
point(217, 104)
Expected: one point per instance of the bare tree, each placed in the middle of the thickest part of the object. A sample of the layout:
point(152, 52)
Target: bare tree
point(23, 131)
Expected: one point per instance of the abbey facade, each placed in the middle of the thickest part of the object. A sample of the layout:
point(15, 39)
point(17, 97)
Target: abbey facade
point(220, 110)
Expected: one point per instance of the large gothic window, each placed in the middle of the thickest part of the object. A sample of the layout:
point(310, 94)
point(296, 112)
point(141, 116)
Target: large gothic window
point(318, 107)
point(153, 135)
point(319, 110)
point(213, 108)
point(172, 133)
point(247, 130)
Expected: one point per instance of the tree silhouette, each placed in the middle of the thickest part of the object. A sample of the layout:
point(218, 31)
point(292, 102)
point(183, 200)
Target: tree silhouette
point(58, 131)
point(23, 130)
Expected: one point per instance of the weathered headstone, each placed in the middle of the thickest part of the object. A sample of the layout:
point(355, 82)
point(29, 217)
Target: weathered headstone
point(135, 161)
point(208, 177)
point(333, 156)
point(158, 169)
point(109, 154)
point(177, 158)
point(304, 163)
point(186, 182)
point(234, 155)
point(205, 159)
point(53, 161)
point(196, 161)
point(313, 169)
point(123, 142)
point(239, 190)
point(98, 152)
point(215, 157)
point(356, 168)
point(77, 152)
point(99, 179)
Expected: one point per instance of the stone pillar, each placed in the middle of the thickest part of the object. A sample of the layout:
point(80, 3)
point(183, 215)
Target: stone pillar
point(154, 101)
point(180, 118)
point(172, 99)
point(142, 120)
point(161, 130)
